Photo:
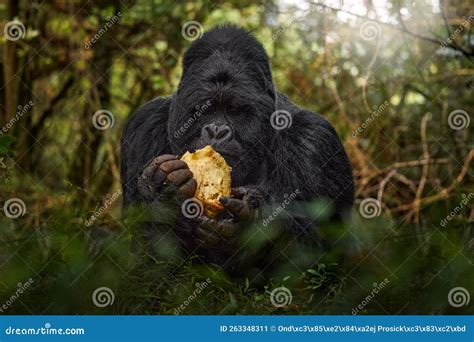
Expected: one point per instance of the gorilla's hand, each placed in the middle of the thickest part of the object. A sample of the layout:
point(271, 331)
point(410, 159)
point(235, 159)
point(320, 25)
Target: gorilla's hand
point(209, 232)
point(243, 206)
point(244, 203)
point(166, 174)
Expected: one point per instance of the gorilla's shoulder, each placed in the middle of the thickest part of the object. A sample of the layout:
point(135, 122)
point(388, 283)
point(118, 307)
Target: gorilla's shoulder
point(144, 136)
point(310, 146)
point(302, 118)
point(158, 106)
point(155, 111)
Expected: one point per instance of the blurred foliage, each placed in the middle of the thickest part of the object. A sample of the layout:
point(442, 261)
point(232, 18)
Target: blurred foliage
point(396, 76)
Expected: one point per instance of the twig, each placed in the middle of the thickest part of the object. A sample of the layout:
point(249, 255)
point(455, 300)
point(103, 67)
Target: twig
point(420, 162)
point(424, 175)
point(444, 193)
point(383, 183)
point(406, 181)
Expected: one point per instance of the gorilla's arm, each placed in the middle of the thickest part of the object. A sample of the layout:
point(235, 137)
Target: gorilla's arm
point(150, 173)
point(144, 137)
point(308, 158)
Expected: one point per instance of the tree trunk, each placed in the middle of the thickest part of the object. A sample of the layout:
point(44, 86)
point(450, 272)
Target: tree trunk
point(10, 83)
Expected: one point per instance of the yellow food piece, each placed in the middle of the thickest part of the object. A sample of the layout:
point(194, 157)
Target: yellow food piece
point(212, 174)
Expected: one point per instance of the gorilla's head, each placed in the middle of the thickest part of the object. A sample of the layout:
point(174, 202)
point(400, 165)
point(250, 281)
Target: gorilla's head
point(225, 99)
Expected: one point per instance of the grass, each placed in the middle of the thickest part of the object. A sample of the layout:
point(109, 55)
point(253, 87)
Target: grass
point(68, 261)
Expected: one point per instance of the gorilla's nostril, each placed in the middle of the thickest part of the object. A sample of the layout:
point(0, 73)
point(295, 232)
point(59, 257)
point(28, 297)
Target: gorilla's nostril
point(224, 133)
point(220, 133)
point(210, 130)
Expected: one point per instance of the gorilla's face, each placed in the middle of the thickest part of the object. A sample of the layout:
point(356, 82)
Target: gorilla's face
point(223, 107)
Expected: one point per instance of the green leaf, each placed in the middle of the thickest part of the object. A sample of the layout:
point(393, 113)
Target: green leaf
point(6, 140)
point(233, 301)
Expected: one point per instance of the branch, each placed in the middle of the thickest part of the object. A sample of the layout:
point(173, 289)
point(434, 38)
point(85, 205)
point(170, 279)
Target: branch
point(402, 28)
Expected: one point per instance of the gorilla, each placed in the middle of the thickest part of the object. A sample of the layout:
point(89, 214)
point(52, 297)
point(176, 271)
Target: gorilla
point(226, 98)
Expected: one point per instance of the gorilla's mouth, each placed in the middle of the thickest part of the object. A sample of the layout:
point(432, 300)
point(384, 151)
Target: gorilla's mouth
point(230, 152)
point(230, 156)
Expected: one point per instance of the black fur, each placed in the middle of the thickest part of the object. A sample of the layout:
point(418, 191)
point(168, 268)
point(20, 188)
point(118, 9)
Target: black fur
point(227, 73)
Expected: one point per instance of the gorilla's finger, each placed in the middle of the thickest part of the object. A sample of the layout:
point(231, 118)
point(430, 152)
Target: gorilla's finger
point(150, 180)
point(251, 195)
point(172, 165)
point(206, 223)
point(158, 178)
point(239, 192)
point(163, 158)
point(152, 173)
point(153, 166)
point(236, 207)
point(178, 177)
point(188, 189)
